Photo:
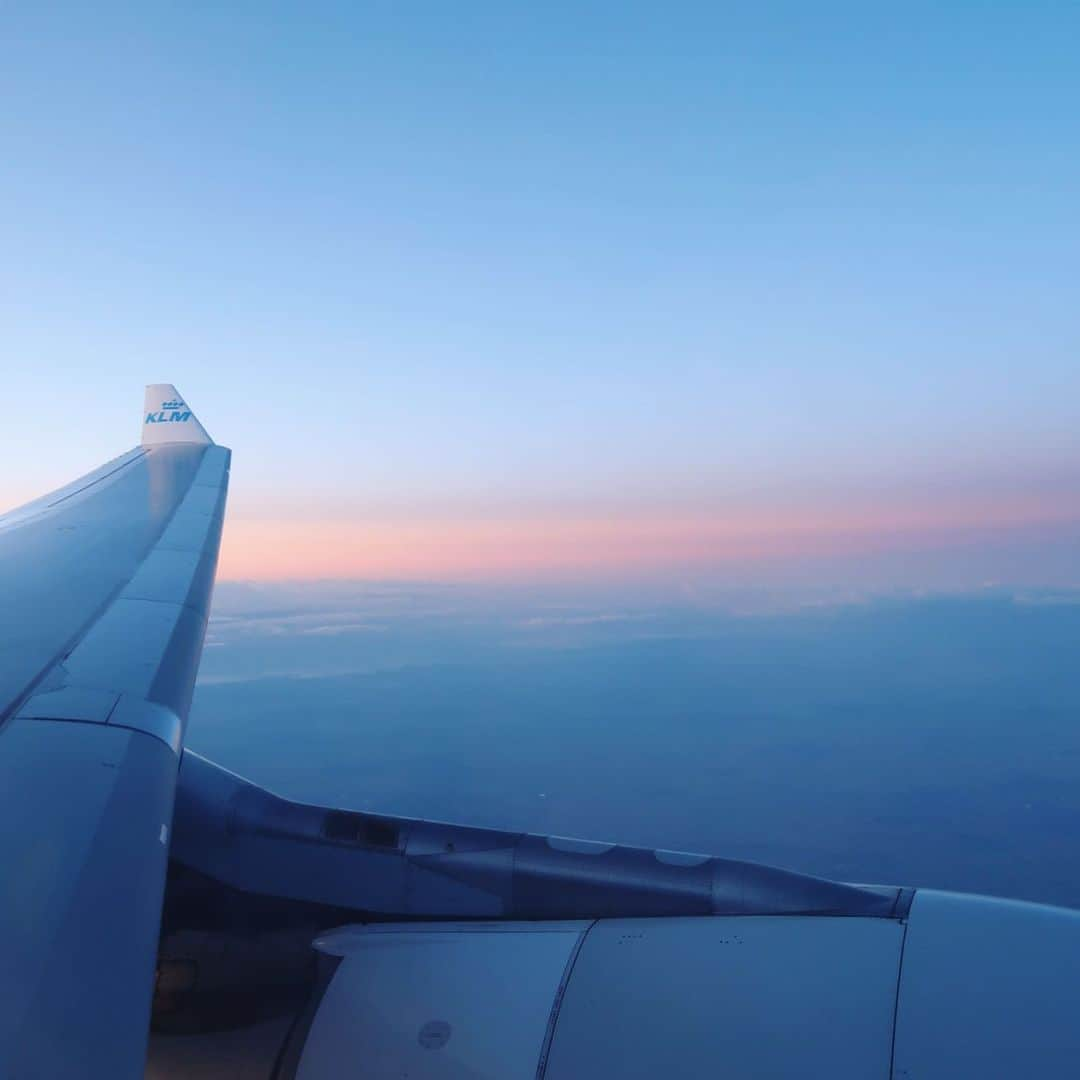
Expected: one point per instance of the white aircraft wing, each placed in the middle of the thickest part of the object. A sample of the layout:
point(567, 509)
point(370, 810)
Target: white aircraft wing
point(305, 942)
point(106, 586)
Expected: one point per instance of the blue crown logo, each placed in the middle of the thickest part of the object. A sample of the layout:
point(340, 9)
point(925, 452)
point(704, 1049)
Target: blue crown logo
point(172, 404)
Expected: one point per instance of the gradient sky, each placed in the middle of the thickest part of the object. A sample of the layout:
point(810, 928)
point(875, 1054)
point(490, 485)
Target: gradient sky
point(758, 293)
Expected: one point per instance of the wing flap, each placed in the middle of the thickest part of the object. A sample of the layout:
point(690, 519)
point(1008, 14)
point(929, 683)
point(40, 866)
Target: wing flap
point(86, 704)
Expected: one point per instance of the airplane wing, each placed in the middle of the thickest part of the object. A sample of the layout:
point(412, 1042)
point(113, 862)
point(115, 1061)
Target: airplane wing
point(106, 587)
point(261, 937)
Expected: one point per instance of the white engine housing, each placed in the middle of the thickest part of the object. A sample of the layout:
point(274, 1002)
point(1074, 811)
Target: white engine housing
point(964, 987)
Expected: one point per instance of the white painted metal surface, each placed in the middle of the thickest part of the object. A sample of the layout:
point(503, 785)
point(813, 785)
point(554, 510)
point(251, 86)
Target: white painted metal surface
point(761, 997)
point(145, 644)
point(712, 996)
point(62, 564)
point(168, 419)
point(438, 1001)
point(990, 988)
point(84, 870)
point(97, 665)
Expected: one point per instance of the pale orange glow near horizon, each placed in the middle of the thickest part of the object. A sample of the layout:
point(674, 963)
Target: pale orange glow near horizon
point(272, 548)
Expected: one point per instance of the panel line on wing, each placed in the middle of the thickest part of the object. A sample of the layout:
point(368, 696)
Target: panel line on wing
point(137, 455)
point(38, 508)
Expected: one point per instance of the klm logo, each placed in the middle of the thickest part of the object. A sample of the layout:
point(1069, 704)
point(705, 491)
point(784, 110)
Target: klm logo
point(171, 412)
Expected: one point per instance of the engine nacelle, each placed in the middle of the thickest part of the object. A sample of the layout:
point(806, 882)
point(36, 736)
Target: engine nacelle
point(965, 986)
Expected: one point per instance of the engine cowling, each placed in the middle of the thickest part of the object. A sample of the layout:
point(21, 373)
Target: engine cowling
point(964, 986)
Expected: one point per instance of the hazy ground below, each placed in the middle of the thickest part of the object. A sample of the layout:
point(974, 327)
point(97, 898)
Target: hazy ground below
point(916, 740)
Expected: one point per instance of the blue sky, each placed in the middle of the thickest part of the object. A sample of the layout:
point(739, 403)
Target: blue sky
point(766, 307)
point(570, 263)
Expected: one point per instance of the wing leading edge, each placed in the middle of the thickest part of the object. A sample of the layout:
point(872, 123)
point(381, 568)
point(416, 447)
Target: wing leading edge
point(109, 583)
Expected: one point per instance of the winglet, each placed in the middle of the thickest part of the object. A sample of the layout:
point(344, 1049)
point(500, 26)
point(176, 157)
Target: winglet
point(168, 419)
